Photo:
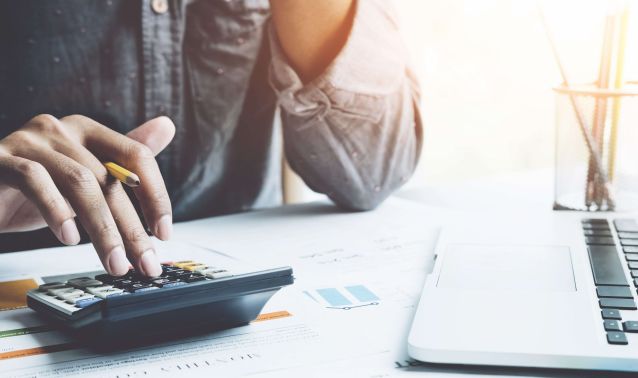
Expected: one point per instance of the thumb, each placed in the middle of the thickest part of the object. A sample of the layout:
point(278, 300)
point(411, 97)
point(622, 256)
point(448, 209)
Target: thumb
point(156, 133)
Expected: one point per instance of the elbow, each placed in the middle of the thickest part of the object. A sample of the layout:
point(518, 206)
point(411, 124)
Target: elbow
point(359, 199)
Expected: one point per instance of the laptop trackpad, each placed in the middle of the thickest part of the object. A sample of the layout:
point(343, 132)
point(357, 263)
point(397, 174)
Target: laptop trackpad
point(507, 267)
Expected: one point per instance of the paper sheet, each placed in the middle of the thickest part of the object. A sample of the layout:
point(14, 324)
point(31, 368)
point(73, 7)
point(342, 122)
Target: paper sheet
point(358, 277)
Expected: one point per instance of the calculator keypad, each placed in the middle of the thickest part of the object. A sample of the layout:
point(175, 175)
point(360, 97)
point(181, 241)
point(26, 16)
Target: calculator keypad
point(81, 292)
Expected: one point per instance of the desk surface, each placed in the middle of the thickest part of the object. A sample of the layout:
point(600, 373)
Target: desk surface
point(387, 251)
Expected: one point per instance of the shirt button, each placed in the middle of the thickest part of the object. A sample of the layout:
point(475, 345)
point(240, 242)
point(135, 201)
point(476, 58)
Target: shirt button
point(159, 6)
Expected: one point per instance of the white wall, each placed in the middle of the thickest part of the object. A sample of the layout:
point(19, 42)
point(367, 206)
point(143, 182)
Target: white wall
point(487, 74)
point(487, 71)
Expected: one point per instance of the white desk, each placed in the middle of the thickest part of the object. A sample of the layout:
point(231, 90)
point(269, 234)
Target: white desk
point(516, 192)
point(388, 250)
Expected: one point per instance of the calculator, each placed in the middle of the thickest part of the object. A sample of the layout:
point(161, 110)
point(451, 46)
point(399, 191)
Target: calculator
point(188, 295)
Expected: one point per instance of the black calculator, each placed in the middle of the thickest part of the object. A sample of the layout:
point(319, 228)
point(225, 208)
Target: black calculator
point(187, 296)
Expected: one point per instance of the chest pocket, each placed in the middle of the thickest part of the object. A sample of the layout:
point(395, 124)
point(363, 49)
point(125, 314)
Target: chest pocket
point(222, 42)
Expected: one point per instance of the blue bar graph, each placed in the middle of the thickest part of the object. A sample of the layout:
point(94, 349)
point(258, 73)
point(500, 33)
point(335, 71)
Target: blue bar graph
point(362, 293)
point(334, 297)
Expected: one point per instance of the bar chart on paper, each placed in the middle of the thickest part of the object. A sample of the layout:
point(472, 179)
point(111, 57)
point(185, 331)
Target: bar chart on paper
point(344, 298)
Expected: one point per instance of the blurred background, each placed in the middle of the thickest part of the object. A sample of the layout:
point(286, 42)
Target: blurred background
point(487, 74)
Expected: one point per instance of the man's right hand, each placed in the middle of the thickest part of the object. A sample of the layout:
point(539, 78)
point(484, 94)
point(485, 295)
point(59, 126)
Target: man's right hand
point(51, 171)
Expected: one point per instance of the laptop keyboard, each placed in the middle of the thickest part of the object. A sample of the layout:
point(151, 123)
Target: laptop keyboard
point(615, 292)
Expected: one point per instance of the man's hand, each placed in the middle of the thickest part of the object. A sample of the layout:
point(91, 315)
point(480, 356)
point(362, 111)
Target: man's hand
point(51, 170)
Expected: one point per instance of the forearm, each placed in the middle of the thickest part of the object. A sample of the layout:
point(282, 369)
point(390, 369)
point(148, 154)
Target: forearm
point(312, 32)
point(357, 161)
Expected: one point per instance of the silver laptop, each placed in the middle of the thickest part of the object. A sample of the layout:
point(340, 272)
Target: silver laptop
point(556, 292)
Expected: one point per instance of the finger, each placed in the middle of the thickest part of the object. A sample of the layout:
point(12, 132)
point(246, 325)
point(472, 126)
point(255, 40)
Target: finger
point(137, 157)
point(33, 180)
point(156, 134)
point(138, 245)
point(80, 186)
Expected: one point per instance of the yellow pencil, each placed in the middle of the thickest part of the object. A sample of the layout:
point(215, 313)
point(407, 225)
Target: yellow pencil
point(124, 175)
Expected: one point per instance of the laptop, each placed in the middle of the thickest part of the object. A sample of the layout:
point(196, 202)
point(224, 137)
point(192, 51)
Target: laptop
point(553, 292)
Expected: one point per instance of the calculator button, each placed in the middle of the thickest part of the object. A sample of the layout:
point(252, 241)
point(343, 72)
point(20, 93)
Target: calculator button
point(54, 302)
point(193, 278)
point(140, 287)
point(74, 299)
point(218, 274)
point(52, 285)
point(82, 303)
point(65, 293)
point(194, 267)
point(611, 313)
point(180, 264)
point(138, 277)
point(174, 284)
point(123, 284)
point(178, 273)
point(84, 282)
point(630, 326)
point(160, 282)
point(107, 278)
point(104, 291)
point(616, 338)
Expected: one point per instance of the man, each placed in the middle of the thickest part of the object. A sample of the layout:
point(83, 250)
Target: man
point(77, 76)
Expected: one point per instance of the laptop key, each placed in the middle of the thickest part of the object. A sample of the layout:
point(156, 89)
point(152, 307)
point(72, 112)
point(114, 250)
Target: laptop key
point(606, 265)
point(628, 235)
point(595, 226)
point(594, 221)
point(629, 242)
point(612, 325)
point(634, 273)
point(616, 338)
point(626, 225)
point(596, 232)
point(633, 265)
point(631, 256)
point(630, 249)
point(630, 326)
point(611, 313)
point(614, 292)
point(619, 303)
point(595, 240)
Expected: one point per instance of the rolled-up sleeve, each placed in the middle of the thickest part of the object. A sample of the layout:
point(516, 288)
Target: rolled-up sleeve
point(355, 132)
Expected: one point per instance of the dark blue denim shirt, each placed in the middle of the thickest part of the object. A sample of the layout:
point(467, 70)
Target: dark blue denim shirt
point(216, 69)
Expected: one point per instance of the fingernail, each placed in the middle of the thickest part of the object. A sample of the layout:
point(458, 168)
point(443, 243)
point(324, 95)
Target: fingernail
point(117, 262)
point(69, 232)
point(164, 227)
point(150, 264)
